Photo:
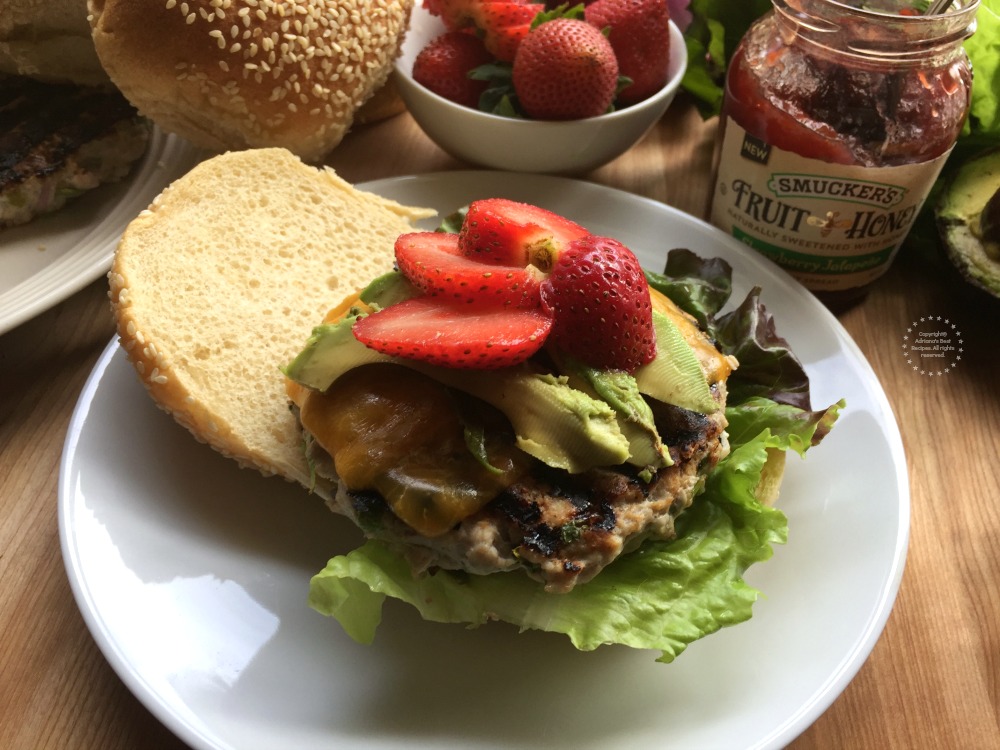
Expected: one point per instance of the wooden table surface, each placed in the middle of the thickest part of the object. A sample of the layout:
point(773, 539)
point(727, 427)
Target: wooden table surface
point(933, 679)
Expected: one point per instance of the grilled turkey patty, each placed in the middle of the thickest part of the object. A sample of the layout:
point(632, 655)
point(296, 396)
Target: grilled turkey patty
point(57, 141)
point(561, 528)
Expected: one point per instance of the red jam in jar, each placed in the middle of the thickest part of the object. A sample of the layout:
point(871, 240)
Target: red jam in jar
point(837, 120)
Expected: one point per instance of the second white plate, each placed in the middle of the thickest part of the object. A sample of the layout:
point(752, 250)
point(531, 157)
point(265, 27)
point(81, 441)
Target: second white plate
point(47, 260)
point(192, 574)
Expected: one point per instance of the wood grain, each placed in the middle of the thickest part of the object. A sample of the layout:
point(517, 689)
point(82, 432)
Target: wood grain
point(933, 679)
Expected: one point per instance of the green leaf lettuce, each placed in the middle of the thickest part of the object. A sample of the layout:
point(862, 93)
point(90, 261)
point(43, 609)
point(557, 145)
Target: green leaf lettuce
point(661, 597)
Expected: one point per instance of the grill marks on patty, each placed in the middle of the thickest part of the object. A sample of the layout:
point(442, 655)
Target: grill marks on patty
point(561, 528)
point(58, 139)
point(43, 124)
point(549, 513)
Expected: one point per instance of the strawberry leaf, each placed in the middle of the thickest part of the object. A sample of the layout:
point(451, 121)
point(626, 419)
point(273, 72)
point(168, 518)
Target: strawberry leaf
point(560, 11)
point(496, 73)
point(623, 83)
point(499, 97)
point(507, 107)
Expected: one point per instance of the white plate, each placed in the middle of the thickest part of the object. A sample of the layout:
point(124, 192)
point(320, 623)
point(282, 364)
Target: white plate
point(56, 255)
point(192, 574)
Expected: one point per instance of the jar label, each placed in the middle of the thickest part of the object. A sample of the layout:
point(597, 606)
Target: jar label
point(832, 226)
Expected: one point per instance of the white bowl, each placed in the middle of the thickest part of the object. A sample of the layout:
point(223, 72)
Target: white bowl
point(571, 146)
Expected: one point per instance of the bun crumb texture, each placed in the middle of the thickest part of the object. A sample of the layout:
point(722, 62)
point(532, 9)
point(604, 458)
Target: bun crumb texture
point(237, 74)
point(219, 283)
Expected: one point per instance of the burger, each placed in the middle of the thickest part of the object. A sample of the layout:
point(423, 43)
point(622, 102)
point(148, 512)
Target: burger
point(525, 425)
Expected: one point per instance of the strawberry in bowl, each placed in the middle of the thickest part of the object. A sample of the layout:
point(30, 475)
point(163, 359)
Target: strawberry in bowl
point(562, 64)
point(526, 119)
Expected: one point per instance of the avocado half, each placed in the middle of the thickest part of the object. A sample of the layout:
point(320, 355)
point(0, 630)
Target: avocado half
point(968, 218)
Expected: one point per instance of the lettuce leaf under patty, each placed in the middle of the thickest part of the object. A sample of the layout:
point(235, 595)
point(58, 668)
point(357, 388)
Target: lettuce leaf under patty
point(665, 595)
point(661, 597)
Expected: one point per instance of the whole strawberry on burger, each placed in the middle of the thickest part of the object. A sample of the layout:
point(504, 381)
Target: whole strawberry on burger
point(570, 62)
point(527, 426)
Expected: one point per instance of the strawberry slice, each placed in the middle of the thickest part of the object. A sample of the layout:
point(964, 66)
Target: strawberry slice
point(455, 14)
point(433, 262)
point(455, 334)
point(504, 24)
point(599, 299)
point(510, 233)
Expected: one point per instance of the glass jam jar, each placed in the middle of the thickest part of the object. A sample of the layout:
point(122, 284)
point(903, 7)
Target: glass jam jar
point(837, 119)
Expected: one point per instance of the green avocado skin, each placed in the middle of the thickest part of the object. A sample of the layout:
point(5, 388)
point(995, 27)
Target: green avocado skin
point(566, 427)
point(967, 222)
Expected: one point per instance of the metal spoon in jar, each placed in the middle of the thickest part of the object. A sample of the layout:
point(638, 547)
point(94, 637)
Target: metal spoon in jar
point(938, 6)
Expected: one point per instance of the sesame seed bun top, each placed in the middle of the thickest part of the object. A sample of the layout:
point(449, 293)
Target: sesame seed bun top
point(235, 74)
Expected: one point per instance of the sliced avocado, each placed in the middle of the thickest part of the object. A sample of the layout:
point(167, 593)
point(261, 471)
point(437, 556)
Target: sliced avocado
point(330, 351)
point(387, 289)
point(620, 391)
point(968, 218)
point(675, 376)
point(555, 423)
